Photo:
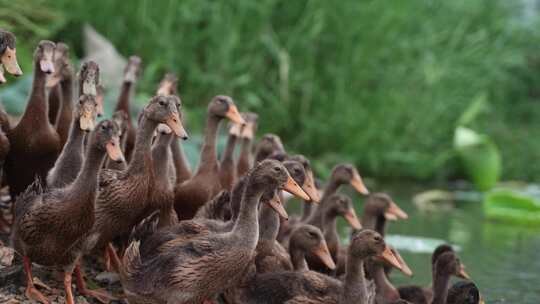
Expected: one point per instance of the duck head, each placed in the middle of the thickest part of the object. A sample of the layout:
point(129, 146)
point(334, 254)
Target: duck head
point(224, 107)
point(268, 144)
point(309, 238)
point(89, 78)
point(368, 243)
point(106, 137)
point(132, 69)
point(8, 53)
point(341, 205)
point(44, 55)
point(309, 182)
point(165, 109)
point(449, 264)
point(86, 112)
point(347, 174)
point(62, 67)
point(381, 204)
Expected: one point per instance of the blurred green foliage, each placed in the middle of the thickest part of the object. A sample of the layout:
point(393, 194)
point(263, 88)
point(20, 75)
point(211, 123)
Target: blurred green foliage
point(380, 83)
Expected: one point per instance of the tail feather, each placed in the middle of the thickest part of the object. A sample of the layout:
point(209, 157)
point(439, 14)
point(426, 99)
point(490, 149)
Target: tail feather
point(26, 199)
point(131, 265)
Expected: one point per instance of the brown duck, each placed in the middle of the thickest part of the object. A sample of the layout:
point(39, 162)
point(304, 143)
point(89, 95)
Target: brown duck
point(131, 73)
point(204, 184)
point(34, 141)
point(126, 197)
point(267, 145)
point(8, 54)
point(312, 287)
point(192, 270)
point(247, 134)
point(52, 224)
point(70, 161)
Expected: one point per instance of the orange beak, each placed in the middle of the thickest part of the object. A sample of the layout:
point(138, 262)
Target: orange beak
point(236, 129)
point(352, 219)
point(248, 131)
point(405, 269)
point(113, 150)
point(323, 253)
point(292, 187)
point(393, 213)
point(9, 60)
point(234, 115)
point(309, 187)
point(174, 123)
point(2, 78)
point(277, 205)
point(390, 258)
point(358, 184)
point(462, 273)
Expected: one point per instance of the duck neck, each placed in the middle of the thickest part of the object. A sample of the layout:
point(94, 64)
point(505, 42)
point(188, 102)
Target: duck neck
point(126, 91)
point(228, 152)
point(75, 141)
point(162, 156)
point(85, 184)
point(383, 286)
point(181, 165)
point(37, 108)
point(245, 152)
point(246, 227)
point(354, 286)
point(66, 107)
point(307, 209)
point(440, 288)
point(268, 223)
point(298, 257)
point(318, 215)
point(208, 151)
point(142, 156)
point(330, 227)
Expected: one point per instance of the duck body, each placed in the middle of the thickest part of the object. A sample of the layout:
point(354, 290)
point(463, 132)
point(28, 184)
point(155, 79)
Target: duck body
point(35, 144)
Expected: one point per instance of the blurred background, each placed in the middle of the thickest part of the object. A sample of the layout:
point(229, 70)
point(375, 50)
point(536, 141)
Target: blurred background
point(418, 94)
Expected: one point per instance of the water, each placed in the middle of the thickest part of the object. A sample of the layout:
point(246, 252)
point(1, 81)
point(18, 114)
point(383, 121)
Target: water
point(502, 259)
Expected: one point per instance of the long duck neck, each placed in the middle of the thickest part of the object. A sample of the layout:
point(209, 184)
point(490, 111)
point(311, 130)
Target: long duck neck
point(228, 152)
point(330, 226)
point(245, 153)
point(37, 108)
point(126, 91)
point(208, 151)
point(75, 141)
point(318, 215)
point(354, 286)
point(298, 257)
point(142, 155)
point(66, 107)
point(440, 288)
point(373, 221)
point(181, 165)
point(246, 227)
point(161, 156)
point(268, 223)
point(84, 188)
point(383, 286)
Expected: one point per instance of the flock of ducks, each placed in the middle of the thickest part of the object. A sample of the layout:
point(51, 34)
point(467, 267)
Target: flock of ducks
point(218, 234)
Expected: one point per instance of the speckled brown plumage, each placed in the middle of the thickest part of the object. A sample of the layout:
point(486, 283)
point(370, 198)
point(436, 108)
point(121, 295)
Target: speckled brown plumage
point(227, 166)
point(205, 183)
point(34, 141)
point(126, 197)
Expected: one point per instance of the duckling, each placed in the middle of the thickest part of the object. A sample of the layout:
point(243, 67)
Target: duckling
point(52, 224)
point(194, 270)
point(205, 184)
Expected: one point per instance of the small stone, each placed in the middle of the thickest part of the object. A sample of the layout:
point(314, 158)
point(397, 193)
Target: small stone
point(108, 277)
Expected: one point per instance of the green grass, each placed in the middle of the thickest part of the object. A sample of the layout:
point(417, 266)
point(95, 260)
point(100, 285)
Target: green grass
point(380, 83)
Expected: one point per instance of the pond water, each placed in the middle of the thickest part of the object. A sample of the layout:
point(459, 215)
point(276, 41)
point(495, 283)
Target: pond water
point(503, 259)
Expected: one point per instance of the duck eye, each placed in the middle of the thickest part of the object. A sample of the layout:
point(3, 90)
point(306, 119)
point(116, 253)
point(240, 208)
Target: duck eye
point(162, 102)
point(312, 234)
point(377, 238)
point(103, 127)
point(276, 169)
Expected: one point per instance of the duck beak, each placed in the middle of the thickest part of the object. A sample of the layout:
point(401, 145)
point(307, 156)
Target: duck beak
point(390, 258)
point(247, 131)
point(165, 88)
point(323, 253)
point(405, 269)
point(131, 74)
point(99, 105)
point(46, 66)
point(309, 187)
point(292, 187)
point(9, 60)
point(236, 129)
point(89, 88)
point(393, 213)
point(277, 205)
point(358, 184)
point(87, 122)
point(2, 78)
point(352, 219)
point(113, 150)
point(462, 273)
point(234, 115)
point(175, 124)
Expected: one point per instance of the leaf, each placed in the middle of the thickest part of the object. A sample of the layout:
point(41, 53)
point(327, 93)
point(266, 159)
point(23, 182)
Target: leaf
point(512, 206)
